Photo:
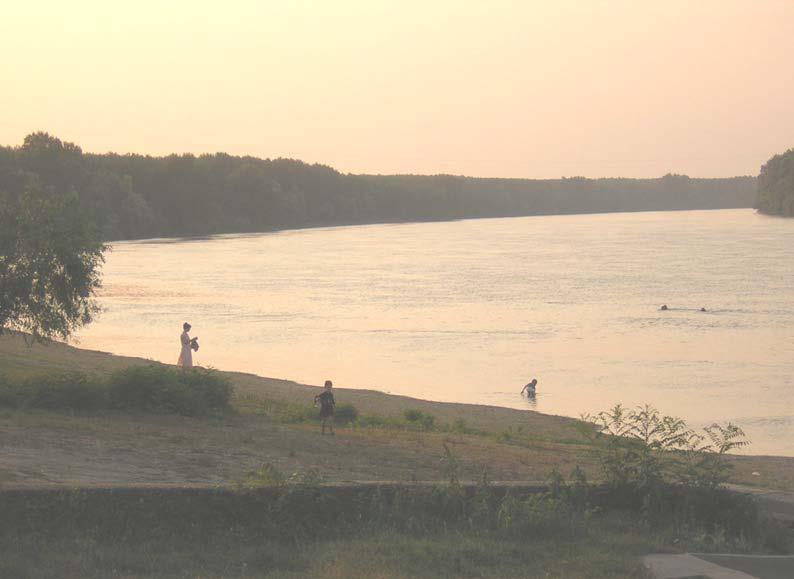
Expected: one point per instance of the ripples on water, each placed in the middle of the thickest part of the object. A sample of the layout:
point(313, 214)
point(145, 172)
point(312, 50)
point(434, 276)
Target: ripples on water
point(469, 311)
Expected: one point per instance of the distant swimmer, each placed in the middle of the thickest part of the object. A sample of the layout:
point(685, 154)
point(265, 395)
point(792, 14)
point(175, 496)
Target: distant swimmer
point(530, 388)
point(703, 309)
point(664, 308)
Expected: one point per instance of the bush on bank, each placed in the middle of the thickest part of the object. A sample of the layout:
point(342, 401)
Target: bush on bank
point(154, 388)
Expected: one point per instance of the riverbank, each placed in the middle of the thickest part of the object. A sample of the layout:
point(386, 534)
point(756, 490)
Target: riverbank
point(452, 312)
point(267, 428)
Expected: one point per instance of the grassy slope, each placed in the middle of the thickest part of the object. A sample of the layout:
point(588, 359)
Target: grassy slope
point(124, 449)
point(52, 448)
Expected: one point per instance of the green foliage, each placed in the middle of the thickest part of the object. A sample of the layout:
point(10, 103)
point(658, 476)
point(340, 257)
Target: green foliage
point(151, 388)
point(776, 185)
point(269, 507)
point(640, 451)
point(266, 475)
point(310, 477)
point(50, 257)
point(633, 444)
point(451, 466)
point(134, 196)
point(294, 413)
point(72, 391)
point(422, 420)
point(265, 523)
point(158, 388)
point(607, 553)
point(348, 414)
point(701, 463)
point(460, 426)
point(345, 414)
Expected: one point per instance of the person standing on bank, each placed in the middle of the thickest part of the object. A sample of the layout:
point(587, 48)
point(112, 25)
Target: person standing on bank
point(186, 354)
point(327, 404)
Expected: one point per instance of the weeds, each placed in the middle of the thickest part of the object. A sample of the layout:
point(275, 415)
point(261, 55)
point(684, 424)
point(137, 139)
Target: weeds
point(345, 414)
point(658, 465)
point(422, 420)
point(268, 475)
point(642, 449)
point(279, 525)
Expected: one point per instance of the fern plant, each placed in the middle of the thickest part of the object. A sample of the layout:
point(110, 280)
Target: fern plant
point(641, 448)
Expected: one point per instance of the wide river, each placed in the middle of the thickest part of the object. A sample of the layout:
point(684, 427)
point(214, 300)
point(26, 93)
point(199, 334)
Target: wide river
point(469, 311)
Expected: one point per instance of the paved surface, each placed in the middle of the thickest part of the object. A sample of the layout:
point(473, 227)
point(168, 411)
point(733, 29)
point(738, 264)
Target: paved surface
point(762, 567)
point(689, 567)
point(709, 566)
point(779, 504)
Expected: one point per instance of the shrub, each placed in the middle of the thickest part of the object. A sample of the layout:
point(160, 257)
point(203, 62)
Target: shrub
point(139, 388)
point(462, 427)
point(642, 452)
point(72, 391)
point(162, 389)
point(345, 414)
point(146, 388)
point(267, 475)
point(423, 420)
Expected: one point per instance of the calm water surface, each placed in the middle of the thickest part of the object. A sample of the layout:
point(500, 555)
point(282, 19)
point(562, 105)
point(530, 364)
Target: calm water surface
point(469, 311)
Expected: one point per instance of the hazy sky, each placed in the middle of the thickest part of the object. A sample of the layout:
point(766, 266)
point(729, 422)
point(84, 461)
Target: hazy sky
point(488, 88)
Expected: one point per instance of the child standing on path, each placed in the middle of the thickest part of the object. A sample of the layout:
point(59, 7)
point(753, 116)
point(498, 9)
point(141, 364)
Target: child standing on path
point(327, 404)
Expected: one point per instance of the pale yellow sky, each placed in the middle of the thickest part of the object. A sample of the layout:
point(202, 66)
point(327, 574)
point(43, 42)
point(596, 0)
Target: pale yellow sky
point(494, 88)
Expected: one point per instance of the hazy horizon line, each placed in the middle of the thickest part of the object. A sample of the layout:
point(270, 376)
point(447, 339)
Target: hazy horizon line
point(353, 174)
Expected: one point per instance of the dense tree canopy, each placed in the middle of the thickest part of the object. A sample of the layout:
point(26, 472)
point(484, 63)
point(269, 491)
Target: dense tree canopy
point(135, 196)
point(49, 263)
point(776, 185)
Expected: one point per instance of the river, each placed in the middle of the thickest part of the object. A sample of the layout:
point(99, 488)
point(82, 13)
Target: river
point(469, 311)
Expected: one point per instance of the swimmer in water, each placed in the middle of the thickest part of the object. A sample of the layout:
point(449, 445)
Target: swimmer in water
point(530, 388)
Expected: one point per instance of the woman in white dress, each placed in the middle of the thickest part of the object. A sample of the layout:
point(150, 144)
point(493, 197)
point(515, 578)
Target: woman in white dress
point(186, 355)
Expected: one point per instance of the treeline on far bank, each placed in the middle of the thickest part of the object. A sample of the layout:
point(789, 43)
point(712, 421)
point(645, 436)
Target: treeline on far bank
point(776, 185)
point(136, 196)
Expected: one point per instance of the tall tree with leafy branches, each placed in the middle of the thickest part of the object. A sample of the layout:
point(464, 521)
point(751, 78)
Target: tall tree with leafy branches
point(50, 259)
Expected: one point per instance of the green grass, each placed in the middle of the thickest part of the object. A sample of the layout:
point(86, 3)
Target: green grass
point(382, 556)
point(348, 414)
point(307, 531)
point(153, 388)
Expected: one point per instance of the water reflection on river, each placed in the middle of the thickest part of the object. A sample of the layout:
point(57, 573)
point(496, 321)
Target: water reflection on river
point(469, 311)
